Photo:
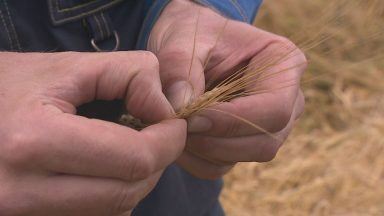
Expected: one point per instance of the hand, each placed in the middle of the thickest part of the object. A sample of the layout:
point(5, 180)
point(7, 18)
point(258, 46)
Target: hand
point(53, 162)
point(216, 140)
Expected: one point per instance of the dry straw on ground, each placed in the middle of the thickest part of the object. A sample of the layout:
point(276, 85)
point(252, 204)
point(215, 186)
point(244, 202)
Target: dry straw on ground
point(333, 163)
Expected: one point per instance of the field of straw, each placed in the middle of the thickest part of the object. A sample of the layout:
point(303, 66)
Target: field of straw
point(333, 162)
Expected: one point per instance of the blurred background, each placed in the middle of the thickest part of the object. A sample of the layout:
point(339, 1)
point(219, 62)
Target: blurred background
point(333, 162)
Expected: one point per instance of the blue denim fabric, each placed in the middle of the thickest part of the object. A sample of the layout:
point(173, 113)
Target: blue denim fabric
point(153, 13)
point(180, 194)
point(59, 25)
point(241, 10)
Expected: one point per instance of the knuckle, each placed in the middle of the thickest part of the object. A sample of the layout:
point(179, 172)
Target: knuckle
point(150, 59)
point(286, 43)
point(297, 54)
point(107, 62)
point(83, 64)
point(147, 55)
point(98, 63)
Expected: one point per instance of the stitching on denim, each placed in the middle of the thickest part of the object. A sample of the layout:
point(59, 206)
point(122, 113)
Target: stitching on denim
point(13, 29)
point(60, 10)
point(153, 24)
point(63, 10)
point(239, 9)
point(105, 24)
point(145, 21)
point(99, 27)
point(51, 10)
point(6, 29)
point(70, 18)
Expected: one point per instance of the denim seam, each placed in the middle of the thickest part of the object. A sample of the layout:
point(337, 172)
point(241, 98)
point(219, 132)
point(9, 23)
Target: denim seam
point(63, 10)
point(100, 29)
point(6, 29)
point(239, 9)
point(70, 18)
point(107, 27)
point(13, 29)
point(146, 20)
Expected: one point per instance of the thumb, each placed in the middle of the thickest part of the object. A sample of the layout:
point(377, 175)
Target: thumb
point(182, 75)
point(165, 141)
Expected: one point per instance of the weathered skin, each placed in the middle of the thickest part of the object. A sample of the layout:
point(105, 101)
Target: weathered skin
point(53, 162)
point(216, 141)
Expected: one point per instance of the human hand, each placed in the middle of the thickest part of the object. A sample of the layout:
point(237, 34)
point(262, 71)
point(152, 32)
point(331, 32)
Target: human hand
point(53, 162)
point(220, 47)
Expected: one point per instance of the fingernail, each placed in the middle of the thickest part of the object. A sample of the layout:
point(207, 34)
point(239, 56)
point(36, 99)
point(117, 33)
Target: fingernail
point(199, 124)
point(179, 94)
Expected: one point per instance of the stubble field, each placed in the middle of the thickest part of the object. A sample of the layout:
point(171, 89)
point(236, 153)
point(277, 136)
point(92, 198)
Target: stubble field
point(333, 162)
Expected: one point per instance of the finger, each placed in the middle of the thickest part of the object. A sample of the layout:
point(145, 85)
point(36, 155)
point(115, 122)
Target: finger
point(77, 145)
point(256, 148)
point(78, 195)
point(182, 74)
point(202, 168)
point(133, 76)
point(270, 108)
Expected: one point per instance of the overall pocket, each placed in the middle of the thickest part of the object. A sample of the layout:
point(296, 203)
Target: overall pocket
point(95, 20)
point(64, 11)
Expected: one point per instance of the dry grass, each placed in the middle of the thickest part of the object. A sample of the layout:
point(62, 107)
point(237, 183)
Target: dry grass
point(333, 163)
